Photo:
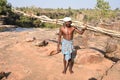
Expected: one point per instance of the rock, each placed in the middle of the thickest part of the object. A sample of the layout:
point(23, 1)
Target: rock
point(51, 49)
point(41, 43)
point(111, 45)
point(113, 73)
point(113, 49)
point(108, 45)
point(92, 63)
point(98, 42)
point(30, 39)
point(28, 62)
point(2, 75)
point(88, 56)
point(52, 52)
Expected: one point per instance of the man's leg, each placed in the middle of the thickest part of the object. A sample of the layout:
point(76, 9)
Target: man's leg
point(71, 62)
point(71, 66)
point(64, 63)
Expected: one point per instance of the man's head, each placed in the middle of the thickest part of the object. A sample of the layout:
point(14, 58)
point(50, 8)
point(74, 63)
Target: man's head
point(68, 21)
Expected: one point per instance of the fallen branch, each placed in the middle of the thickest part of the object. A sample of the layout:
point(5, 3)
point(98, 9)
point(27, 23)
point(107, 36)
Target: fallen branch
point(104, 31)
point(46, 19)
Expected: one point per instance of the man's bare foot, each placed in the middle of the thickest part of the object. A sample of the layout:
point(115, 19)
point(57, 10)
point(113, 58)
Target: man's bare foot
point(71, 71)
point(64, 72)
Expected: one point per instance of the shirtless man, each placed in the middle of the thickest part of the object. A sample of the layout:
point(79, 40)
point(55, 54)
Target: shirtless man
point(66, 31)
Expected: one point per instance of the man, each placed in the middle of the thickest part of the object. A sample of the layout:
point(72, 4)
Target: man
point(66, 31)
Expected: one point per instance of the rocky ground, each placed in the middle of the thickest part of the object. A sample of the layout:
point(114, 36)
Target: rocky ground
point(22, 58)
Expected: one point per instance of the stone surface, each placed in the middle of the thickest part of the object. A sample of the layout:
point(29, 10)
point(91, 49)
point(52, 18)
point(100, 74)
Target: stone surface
point(113, 73)
point(25, 61)
point(88, 56)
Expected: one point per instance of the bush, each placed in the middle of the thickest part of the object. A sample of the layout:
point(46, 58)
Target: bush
point(49, 25)
point(5, 7)
point(24, 21)
point(11, 19)
point(37, 23)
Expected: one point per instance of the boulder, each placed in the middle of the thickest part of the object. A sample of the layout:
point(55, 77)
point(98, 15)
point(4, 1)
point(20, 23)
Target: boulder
point(30, 39)
point(113, 49)
point(51, 49)
point(98, 42)
point(41, 43)
point(113, 73)
point(2, 75)
point(111, 45)
point(88, 56)
point(52, 52)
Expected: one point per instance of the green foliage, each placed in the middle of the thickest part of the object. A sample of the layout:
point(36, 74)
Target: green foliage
point(24, 21)
point(5, 7)
point(101, 4)
point(117, 9)
point(50, 25)
point(101, 11)
point(102, 8)
point(2, 5)
point(69, 12)
point(20, 20)
point(37, 23)
point(11, 19)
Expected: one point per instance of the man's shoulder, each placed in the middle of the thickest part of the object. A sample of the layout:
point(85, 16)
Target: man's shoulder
point(74, 27)
point(61, 28)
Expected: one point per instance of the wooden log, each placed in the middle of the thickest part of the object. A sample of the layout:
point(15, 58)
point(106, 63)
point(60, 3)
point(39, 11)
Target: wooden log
point(76, 23)
point(104, 31)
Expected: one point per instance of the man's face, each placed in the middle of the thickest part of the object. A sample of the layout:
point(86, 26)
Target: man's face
point(68, 23)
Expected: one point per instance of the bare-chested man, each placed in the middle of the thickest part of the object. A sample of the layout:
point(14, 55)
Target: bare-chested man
point(66, 31)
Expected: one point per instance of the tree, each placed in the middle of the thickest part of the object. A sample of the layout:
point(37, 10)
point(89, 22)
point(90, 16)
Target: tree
point(70, 13)
point(2, 5)
point(37, 23)
point(5, 7)
point(103, 8)
point(117, 9)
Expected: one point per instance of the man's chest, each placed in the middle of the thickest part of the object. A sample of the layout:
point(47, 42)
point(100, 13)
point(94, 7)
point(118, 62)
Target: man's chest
point(68, 31)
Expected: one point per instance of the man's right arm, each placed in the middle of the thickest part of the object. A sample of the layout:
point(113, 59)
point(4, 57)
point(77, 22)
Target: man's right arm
point(59, 40)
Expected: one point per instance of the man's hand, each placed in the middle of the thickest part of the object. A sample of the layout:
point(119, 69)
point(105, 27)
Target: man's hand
point(58, 50)
point(85, 26)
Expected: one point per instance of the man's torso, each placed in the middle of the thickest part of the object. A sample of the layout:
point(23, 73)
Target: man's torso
point(67, 32)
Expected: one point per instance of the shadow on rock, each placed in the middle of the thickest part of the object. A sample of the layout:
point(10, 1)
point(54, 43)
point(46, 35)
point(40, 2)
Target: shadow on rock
point(114, 59)
point(101, 51)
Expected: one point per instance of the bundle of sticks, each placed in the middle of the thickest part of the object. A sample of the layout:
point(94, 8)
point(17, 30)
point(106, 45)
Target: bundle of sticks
point(46, 19)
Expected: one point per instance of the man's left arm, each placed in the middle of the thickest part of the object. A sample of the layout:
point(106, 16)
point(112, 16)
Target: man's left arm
point(80, 31)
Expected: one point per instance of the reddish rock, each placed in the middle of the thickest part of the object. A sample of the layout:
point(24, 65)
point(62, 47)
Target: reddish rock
point(88, 56)
point(113, 73)
point(51, 49)
point(30, 39)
